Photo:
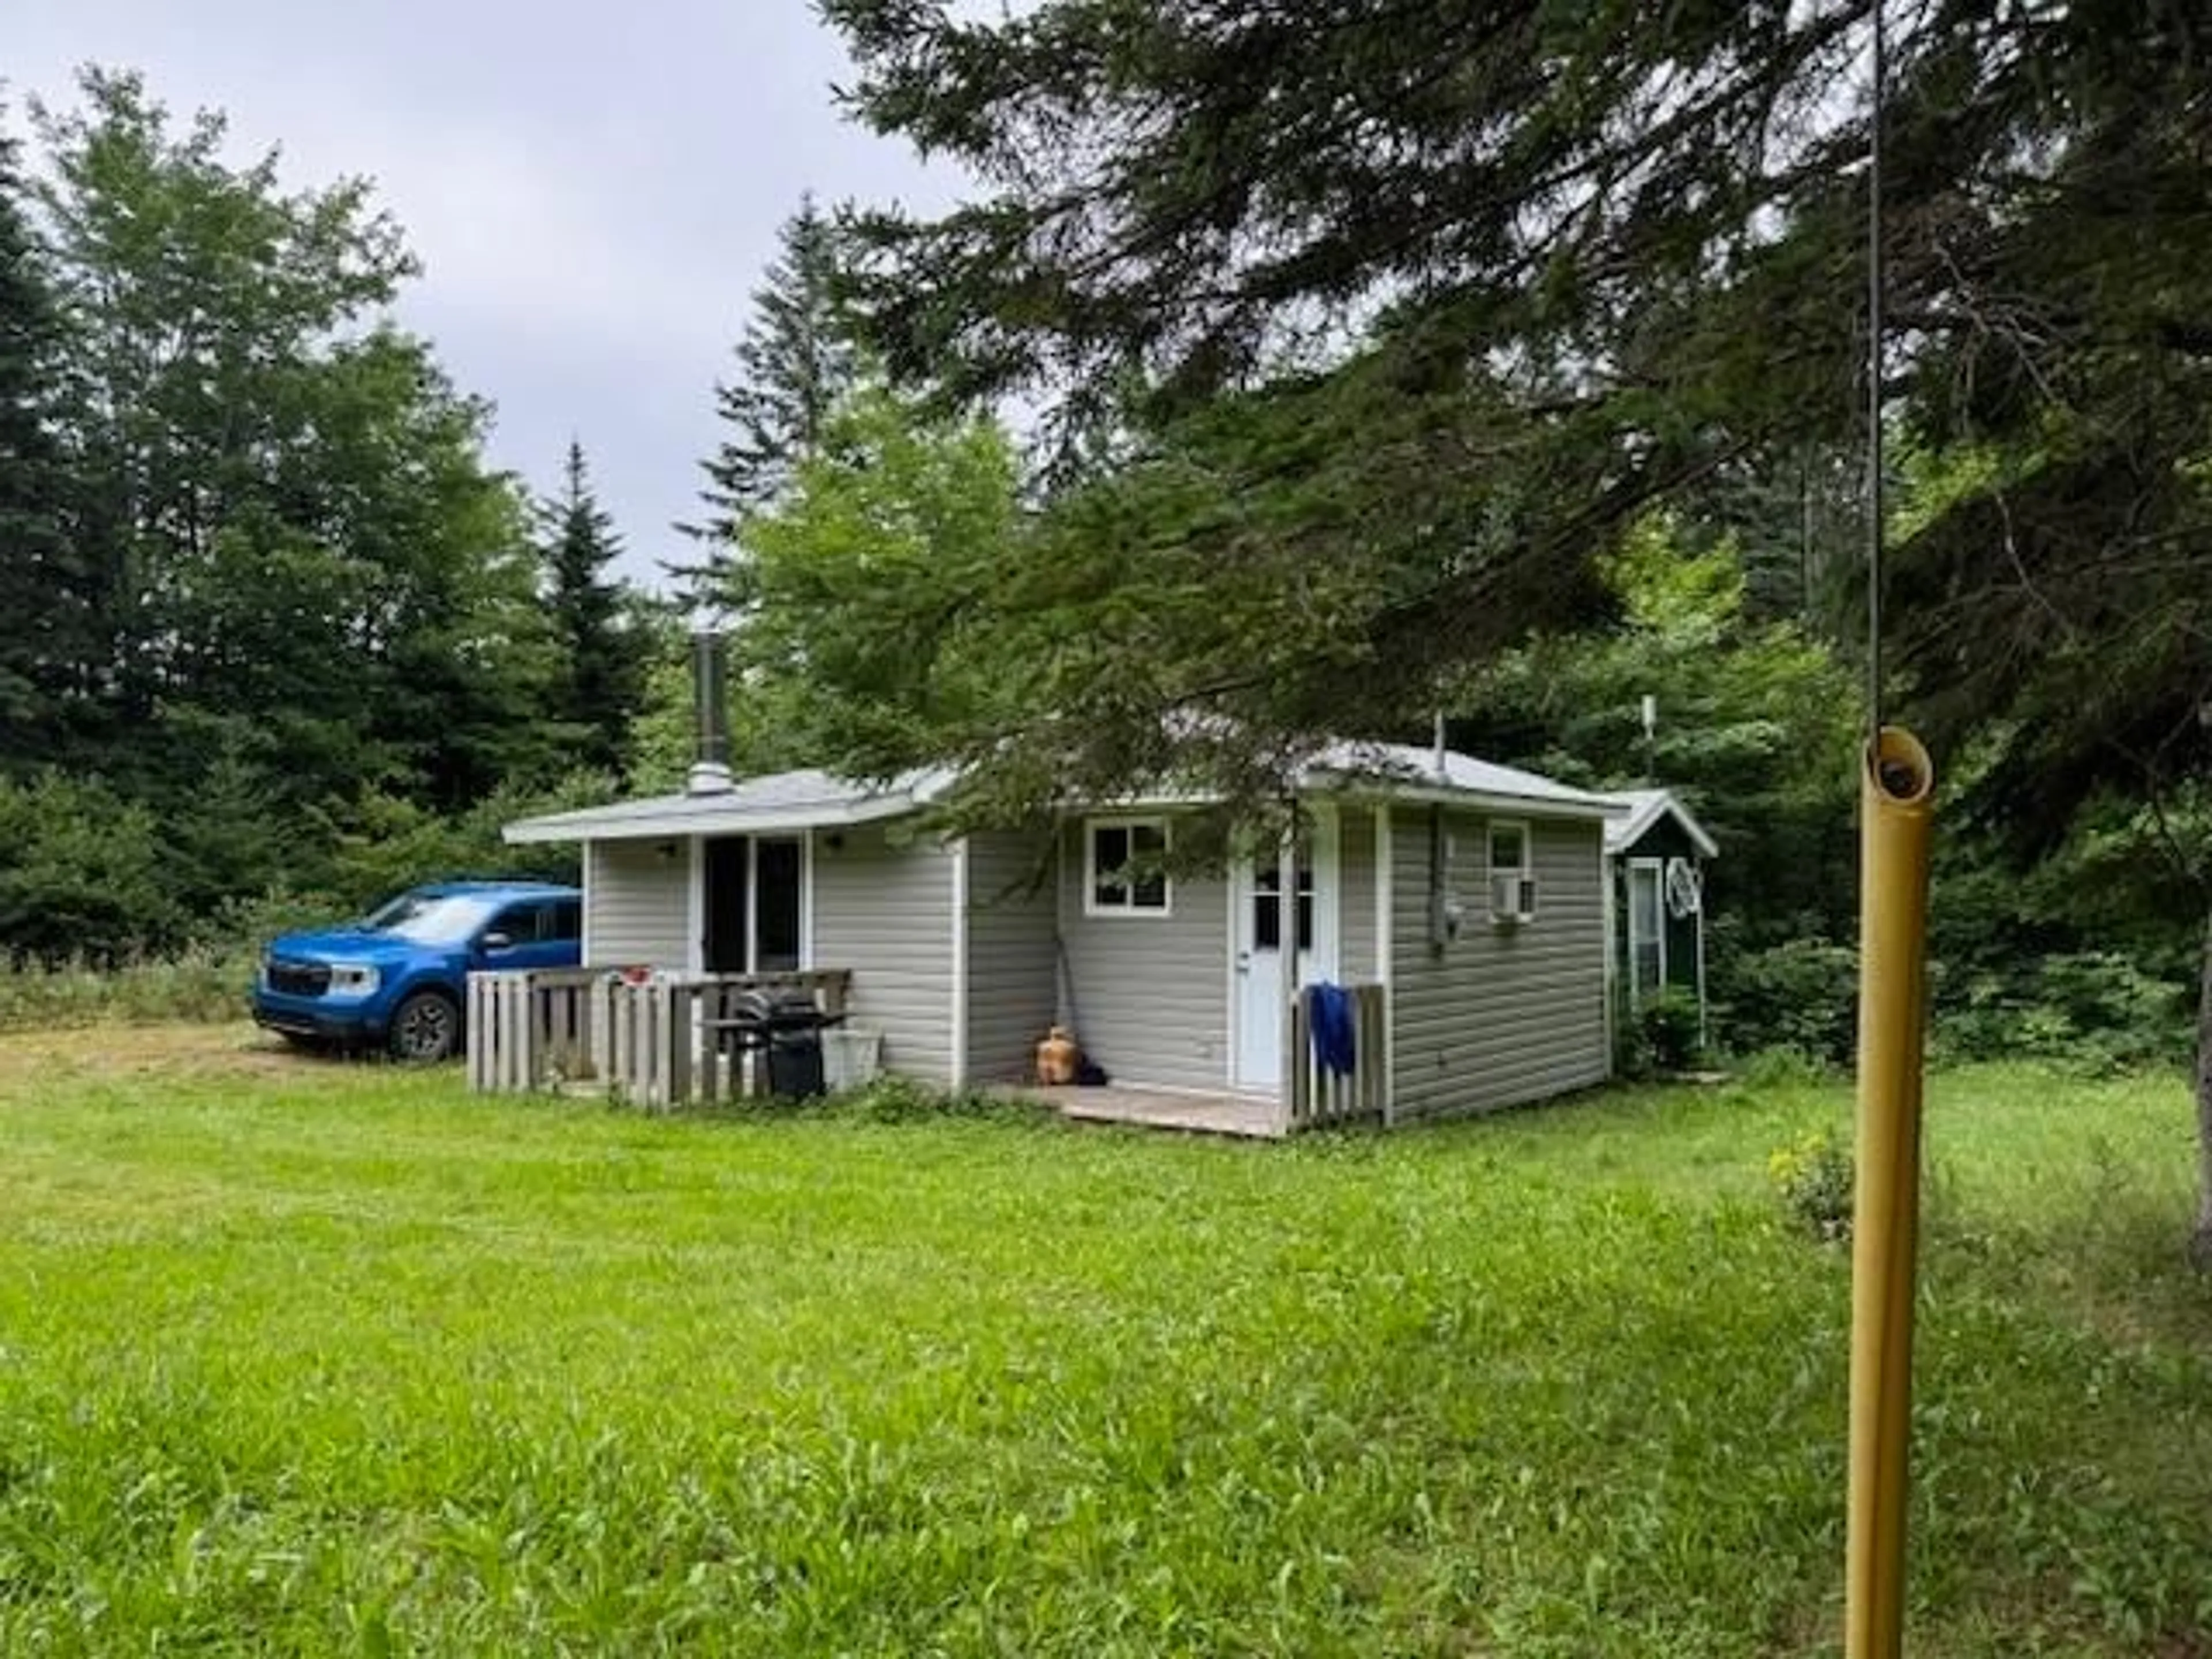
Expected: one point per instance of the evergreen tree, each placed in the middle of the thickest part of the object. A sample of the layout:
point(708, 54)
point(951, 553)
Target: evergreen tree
point(1458, 304)
point(295, 551)
point(41, 636)
point(599, 674)
point(795, 363)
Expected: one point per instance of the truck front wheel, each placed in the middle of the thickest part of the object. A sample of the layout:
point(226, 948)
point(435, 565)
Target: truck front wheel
point(426, 1028)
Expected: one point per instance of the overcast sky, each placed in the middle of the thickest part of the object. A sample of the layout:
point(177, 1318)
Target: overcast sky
point(592, 188)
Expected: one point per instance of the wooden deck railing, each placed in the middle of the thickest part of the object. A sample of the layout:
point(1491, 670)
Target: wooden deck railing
point(644, 1041)
point(1314, 1094)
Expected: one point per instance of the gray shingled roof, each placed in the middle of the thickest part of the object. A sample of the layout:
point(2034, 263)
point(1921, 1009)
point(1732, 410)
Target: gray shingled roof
point(1405, 764)
point(780, 800)
point(810, 798)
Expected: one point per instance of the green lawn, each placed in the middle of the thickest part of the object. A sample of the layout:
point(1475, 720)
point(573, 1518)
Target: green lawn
point(297, 1356)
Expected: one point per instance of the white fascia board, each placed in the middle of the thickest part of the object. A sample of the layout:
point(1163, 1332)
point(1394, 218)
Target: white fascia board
point(1696, 831)
point(702, 820)
point(1648, 813)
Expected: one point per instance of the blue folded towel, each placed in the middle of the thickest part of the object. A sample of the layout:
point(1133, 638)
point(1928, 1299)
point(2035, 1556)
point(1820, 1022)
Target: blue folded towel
point(1328, 1013)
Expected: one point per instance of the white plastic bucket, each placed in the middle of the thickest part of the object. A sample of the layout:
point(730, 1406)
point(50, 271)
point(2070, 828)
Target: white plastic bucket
point(851, 1056)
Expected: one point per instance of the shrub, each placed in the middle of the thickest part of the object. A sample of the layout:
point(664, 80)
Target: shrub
point(81, 874)
point(1814, 1178)
point(245, 925)
point(1801, 995)
point(1667, 1029)
point(1661, 1037)
point(2094, 1011)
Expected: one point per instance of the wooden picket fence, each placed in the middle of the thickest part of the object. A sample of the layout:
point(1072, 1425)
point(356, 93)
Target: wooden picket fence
point(646, 1039)
point(1313, 1094)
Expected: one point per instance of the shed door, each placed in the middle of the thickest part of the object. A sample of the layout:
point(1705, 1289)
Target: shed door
point(1285, 938)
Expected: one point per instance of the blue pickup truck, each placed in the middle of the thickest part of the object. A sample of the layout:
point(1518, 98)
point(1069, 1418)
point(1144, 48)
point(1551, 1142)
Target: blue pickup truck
point(399, 978)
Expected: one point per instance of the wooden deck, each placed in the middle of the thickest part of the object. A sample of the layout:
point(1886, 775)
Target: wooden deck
point(1253, 1117)
point(646, 1037)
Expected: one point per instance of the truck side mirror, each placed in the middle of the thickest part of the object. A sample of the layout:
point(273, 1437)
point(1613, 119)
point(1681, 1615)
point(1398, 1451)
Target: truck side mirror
point(494, 941)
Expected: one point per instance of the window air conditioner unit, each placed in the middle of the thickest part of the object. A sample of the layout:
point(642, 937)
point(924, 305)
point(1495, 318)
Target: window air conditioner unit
point(1512, 897)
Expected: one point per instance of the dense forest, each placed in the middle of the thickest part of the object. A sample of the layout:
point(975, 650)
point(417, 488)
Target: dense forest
point(1303, 450)
point(274, 636)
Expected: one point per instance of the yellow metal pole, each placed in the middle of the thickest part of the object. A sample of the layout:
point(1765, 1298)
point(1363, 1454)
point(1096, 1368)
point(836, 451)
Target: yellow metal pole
point(1896, 793)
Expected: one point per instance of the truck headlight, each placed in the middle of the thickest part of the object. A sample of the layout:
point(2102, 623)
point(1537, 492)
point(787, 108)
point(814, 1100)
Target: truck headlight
point(353, 979)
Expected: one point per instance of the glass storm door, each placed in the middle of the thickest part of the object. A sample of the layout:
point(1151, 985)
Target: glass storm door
point(1275, 955)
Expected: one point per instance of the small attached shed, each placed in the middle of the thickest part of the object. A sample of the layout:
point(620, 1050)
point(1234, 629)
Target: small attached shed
point(1655, 857)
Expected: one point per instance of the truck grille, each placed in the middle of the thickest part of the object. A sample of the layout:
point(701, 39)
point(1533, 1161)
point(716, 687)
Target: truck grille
point(298, 979)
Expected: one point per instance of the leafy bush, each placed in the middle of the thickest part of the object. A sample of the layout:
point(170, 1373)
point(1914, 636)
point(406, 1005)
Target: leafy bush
point(243, 926)
point(379, 844)
point(2093, 1010)
point(1801, 995)
point(1814, 1177)
point(1660, 1038)
point(81, 875)
point(1667, 1029)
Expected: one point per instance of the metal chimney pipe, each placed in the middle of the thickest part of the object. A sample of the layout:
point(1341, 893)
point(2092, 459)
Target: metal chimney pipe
point(710, 763)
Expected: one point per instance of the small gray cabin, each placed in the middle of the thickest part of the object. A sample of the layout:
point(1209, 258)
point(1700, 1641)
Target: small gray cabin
point(1464, 904)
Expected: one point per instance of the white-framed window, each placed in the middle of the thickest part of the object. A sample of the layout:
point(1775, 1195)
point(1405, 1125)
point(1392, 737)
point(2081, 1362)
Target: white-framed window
point(1122, 872)
point(1512, 871)
point(1647, 930)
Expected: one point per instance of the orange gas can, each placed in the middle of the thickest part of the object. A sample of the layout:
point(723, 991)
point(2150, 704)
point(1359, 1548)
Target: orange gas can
point(1055, 1057)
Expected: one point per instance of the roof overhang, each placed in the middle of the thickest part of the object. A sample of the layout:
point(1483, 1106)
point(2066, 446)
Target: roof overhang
point(700, 815)
point(1647, 808)
point(827, 804)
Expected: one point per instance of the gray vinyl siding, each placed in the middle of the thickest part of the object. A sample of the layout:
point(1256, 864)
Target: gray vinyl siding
point(1501, 1015)
point(1355, 888)
point(883, 908)
point(637, 905)
point(1148, 995)
point(1013, 958)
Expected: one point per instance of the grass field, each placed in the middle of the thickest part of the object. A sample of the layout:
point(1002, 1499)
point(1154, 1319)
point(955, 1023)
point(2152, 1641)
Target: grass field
point(297, 1356)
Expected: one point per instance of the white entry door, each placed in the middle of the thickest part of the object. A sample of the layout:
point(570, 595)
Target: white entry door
point(1285, 937)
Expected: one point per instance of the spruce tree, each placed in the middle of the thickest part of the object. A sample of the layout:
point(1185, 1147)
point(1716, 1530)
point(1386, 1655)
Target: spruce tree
point(597, 683)
point(41, 642)
point(795, 363)
point(1421, 309)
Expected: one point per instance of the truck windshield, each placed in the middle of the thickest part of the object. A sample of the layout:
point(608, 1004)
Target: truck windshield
point(431, 918)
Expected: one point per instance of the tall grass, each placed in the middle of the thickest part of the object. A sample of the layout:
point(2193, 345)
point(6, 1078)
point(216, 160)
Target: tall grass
point(204, 983)
point(303, 1358)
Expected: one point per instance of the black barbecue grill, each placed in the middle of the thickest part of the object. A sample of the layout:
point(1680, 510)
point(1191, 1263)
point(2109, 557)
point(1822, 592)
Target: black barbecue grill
point(784, 1027)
